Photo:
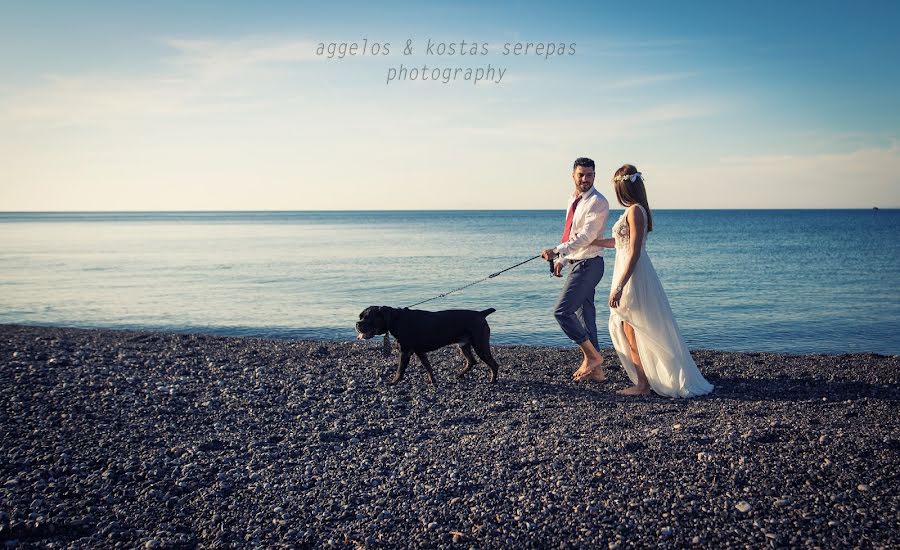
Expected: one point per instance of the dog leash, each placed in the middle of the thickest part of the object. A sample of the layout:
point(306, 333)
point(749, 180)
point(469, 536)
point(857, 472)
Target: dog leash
point(386, 348)
point(491, 276)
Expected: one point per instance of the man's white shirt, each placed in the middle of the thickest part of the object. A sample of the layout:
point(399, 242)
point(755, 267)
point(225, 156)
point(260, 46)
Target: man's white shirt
point(588, 225)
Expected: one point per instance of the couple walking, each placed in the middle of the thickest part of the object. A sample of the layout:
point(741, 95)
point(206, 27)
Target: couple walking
point(641, 324)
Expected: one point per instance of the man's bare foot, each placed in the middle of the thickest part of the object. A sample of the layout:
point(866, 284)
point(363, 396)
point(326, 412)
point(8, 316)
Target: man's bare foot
point(582, 368)
point(635, 390)
point(590, 371)
point(597, 375)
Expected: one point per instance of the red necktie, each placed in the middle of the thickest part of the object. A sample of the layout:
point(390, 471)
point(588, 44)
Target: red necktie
point(569, 217)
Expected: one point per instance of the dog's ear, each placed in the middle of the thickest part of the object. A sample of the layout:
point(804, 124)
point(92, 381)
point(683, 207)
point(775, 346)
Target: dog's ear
point(368, 312)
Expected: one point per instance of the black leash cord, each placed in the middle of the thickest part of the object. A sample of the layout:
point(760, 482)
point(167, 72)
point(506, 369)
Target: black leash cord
point(491, 276)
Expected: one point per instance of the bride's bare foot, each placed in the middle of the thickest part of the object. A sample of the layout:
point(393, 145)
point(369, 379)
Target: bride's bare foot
point(635, 390)
point(590, 371)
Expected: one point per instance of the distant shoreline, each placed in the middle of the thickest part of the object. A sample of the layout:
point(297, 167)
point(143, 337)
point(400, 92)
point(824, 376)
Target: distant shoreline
point(288, 338)
point(613, 207)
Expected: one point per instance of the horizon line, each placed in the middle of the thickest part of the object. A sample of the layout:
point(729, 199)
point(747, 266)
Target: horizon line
point(6, 212)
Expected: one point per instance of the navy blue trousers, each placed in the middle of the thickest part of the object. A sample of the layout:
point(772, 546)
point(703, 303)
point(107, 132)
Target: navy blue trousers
point(575, 310)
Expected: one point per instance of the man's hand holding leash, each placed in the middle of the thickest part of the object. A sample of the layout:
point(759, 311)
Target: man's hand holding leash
point(555, 267)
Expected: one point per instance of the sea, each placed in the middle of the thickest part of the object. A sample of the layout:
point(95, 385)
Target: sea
point(790, 281)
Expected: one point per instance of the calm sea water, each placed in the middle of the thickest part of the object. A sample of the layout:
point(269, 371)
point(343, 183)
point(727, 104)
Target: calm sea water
point(786, 281)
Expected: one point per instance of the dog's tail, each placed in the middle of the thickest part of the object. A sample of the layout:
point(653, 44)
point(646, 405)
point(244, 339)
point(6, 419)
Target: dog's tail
point(487, 312)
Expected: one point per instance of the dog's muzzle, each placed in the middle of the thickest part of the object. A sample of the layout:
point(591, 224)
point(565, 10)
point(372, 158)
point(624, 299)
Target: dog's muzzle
point(362, 333)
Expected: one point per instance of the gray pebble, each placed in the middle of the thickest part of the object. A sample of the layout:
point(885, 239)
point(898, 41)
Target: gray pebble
point(239, 428)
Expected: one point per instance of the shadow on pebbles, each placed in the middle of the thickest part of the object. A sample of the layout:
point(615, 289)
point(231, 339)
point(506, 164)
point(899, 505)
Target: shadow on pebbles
point(158, 440)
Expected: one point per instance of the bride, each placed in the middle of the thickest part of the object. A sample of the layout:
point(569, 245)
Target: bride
point(641, 324)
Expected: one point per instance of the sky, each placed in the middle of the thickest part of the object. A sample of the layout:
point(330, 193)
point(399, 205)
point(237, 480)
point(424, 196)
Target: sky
point(147, 106)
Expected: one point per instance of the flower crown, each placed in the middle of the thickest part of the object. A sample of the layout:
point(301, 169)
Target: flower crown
point(631, 177)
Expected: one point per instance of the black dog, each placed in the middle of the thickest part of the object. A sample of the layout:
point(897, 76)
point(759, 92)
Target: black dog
point(420, 331)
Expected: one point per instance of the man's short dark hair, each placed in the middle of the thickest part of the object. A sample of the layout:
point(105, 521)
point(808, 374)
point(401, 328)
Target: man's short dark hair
point(583, 161)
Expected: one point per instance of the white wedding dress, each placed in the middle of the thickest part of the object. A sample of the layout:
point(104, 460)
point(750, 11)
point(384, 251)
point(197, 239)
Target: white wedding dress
point(667, 362)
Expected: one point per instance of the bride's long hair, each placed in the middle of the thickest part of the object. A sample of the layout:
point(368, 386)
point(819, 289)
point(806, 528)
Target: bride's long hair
point(632, 192)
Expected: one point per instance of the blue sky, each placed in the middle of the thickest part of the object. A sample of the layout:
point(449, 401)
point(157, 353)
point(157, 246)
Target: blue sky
point(225, 106)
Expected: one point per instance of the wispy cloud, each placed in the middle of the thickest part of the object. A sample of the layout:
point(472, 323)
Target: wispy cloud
point(638, 81)
point(223, 59)
point(604, 126)
point(196, 77)
point(626, 47)
point(859, 159)
point(857, 178)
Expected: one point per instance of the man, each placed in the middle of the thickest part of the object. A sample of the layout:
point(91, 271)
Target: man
point(585, 222)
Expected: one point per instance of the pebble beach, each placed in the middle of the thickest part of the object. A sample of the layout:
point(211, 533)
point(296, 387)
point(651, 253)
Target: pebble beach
point(122, 439)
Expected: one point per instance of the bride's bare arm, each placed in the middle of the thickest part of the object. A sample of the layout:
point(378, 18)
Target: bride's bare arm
point(635, 220)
